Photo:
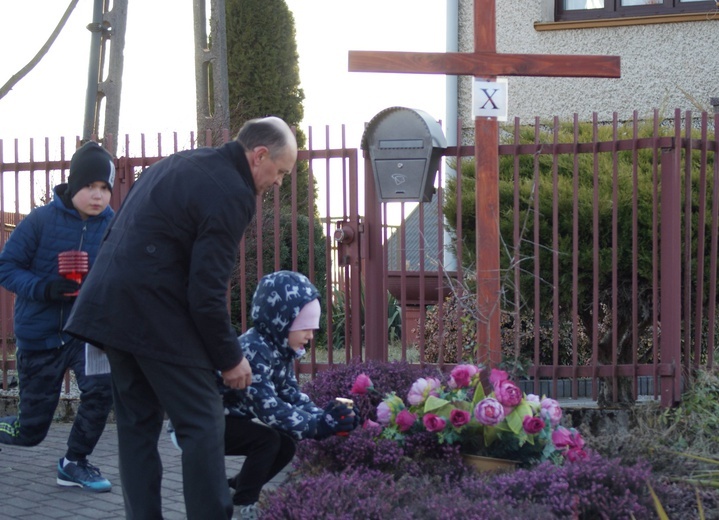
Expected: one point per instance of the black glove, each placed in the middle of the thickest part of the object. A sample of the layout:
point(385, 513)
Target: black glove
point(336, 418)
point(58, 290)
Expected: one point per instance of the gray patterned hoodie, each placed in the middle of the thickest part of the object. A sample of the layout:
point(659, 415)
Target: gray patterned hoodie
point(274, 396)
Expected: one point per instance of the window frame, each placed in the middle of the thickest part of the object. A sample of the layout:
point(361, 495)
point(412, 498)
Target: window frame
point(613, 9)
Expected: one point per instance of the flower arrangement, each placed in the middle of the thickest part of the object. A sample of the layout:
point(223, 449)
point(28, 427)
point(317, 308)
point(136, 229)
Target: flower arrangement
point(505, 423)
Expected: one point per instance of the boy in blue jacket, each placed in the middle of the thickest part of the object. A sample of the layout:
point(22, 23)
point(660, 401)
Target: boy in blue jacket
point(75, 220)
point(264, 421)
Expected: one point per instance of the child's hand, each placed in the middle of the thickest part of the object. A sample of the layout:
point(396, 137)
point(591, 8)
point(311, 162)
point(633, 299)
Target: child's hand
point(336, 418)
point(61, 290)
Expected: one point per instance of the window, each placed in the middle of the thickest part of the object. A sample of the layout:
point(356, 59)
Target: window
point(597, 9)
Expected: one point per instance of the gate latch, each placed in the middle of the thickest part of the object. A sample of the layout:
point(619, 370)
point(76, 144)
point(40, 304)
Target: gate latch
point(344, 235)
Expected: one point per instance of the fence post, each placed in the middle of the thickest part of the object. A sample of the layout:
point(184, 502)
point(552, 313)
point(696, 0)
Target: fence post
point(375, 293)
point(670, 285)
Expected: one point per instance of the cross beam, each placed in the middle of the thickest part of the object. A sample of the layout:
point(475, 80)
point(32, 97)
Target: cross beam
point(486, 63)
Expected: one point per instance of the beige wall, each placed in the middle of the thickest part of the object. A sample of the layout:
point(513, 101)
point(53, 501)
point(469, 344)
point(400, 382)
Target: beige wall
point(665, 66)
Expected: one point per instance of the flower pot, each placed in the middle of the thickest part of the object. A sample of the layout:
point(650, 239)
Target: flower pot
point(489, 464)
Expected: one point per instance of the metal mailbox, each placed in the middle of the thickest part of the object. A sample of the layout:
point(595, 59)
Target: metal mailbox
point(405, 146)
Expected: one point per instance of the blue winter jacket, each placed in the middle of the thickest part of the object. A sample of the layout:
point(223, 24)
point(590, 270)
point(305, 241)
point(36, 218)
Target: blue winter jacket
point(274, 396)
point(28, 262)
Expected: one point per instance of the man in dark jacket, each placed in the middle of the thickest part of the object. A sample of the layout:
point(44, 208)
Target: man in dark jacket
point(156, 302)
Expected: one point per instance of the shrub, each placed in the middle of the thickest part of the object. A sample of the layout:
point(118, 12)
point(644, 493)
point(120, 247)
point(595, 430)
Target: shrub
point(372, 494)
point(459, 333)
point(337, 382)
point(662, 435)
point(682, 501)
point(420, 455)
point(596, 488)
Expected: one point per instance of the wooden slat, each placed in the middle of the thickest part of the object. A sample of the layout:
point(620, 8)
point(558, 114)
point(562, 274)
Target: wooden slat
point(484, 64)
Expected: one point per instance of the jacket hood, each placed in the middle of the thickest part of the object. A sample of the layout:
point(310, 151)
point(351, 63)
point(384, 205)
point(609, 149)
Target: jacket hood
point(278, 299)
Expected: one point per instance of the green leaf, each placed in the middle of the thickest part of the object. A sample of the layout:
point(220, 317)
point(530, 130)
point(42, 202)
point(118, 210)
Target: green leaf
point(516, 418)
point(490, 435)
point(478, 394)
point(434, 404)
point(661, 512)
point(462, 405)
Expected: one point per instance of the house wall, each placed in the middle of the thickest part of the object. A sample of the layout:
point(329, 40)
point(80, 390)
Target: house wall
point(665, 66)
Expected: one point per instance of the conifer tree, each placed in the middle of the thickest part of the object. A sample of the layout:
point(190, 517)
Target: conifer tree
point(264, 79)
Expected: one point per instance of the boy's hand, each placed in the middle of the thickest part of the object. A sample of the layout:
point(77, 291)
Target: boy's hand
point(239, 377)
point(59, 290)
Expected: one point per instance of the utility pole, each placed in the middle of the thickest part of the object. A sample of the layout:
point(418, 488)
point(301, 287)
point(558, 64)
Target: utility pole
point(104, 94)
point(213, 112)
point(106, 26)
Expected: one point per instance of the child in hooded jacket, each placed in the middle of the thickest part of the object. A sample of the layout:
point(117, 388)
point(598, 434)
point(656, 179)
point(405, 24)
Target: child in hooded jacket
point(264, 421)
point(76, 219)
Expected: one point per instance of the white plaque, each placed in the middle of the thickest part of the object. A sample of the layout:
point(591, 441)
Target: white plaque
point(489, 98)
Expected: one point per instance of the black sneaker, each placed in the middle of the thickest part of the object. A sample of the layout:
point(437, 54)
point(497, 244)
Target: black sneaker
point(82, 474)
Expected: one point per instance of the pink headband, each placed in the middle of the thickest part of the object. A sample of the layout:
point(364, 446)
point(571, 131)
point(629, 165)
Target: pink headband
point(308, 318)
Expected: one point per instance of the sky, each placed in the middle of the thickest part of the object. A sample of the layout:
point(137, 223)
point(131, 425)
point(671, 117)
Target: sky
point(158, 84)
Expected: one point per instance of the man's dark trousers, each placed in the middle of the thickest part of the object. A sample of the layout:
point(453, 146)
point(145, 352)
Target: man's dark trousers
point(143, 390)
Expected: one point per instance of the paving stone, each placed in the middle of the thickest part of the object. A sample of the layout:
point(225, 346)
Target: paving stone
point(28, 489)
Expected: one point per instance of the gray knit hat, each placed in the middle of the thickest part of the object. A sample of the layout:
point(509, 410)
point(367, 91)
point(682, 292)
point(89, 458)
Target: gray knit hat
point(90, 163)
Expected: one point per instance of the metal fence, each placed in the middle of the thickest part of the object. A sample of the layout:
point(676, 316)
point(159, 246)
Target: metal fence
point(598, 222)
point(608, 258)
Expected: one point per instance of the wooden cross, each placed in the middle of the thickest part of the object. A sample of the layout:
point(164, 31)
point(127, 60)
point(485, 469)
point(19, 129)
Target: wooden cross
point(486, 63)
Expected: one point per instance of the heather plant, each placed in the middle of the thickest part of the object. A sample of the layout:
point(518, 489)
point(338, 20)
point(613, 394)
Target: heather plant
point(596, 488)
point(365, 493)
point(338, 453)
point(679, 500)
point(396, 375)
point(420, 455)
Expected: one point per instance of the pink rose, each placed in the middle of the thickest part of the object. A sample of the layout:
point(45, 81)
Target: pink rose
point(508, 393)
point(433, 423)
point(576, 455)
point(362, 384)
point(551, 411)
point(497, 376)
point(533, 401)
point(422, 388)
point(384, 414)
point(404, 420)
point(369, 423)
point(458, 418)
point(567, 439)
point(461, 376)
point(489, 412)
point(532, 425)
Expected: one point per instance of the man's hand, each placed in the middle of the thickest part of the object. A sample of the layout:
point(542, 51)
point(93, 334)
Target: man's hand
point(239, 377)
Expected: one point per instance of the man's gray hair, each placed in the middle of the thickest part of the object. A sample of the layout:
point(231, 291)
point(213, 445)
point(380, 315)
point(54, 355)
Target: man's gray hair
point(271, 132)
